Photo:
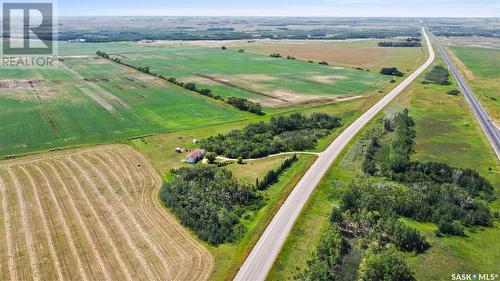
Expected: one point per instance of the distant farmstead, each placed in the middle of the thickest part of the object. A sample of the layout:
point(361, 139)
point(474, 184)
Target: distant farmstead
point(196, 156)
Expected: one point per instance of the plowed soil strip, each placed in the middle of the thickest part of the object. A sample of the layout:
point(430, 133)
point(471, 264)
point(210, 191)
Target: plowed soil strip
point(26, 228)
point(91, 243)
point(115, 217)
point(166, 260)
point(45, 225)
point(90, 206)
point(202, 258)
point(8, 231)
point(101, 217)
point(64, 224)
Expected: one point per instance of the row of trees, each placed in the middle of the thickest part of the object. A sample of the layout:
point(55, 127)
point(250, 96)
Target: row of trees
point(210, 201)
point(245, 105)
point(399, 44)
point(273, 175)
point(240, 103)
point(295, 132)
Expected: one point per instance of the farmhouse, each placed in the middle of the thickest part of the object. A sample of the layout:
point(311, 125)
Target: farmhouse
point(196, 156)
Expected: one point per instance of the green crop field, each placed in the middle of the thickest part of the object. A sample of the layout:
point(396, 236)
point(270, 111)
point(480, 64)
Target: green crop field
point(275, 82)
point(89, 101)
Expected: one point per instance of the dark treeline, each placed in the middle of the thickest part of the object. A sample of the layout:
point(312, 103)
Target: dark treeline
point(294, 132)
point(273, 175)
point(210, 201)
point(369, 165)
point(438, 75)
point(136, 34)
point(237, 102)
point(391, 71)
point(245, 104)
point(399, 44)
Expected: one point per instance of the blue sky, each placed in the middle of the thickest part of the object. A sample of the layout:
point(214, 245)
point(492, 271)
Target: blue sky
point(333, 8)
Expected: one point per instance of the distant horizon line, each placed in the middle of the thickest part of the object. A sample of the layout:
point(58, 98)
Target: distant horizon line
point(312, 16)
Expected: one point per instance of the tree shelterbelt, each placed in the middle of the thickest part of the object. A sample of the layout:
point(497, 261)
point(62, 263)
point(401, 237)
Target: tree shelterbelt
point(295, 132)
point(210, 201)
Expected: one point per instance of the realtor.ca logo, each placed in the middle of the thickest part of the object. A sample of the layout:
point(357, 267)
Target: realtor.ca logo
point(474, 276)
point(28, 35)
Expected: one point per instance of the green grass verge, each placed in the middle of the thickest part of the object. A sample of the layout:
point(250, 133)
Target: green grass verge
point(485, 78)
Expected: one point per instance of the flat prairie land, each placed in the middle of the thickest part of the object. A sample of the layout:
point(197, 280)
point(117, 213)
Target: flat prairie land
point(480, 66)
point(90, 100)
point(348, 53)
point(274, 82)
point(91, 214)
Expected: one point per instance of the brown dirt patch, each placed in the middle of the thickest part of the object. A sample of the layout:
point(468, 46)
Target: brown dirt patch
point(25, 89)
point(327, 79)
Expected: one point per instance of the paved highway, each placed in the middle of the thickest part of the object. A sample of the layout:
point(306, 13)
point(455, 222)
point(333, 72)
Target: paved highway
point(489, 127)
point(265, 251)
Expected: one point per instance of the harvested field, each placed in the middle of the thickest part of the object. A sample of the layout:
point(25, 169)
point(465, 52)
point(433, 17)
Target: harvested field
point(357, 52)
point(91, 214)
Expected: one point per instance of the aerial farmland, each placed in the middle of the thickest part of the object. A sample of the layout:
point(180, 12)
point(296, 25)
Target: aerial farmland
point(323, 125)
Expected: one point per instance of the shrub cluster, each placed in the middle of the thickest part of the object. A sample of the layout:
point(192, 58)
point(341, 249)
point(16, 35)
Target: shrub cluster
point(283, 133)
point(245, 105)
point(401, 146)
point(369, 166)
point(388, 265)
point(391, 71)
point(210, 201)
point(439, 193)
point(438, 75)
point(355, 222)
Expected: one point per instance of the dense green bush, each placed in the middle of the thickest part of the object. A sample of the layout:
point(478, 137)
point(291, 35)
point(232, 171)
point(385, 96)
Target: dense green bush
point(438, 75)
point(452, 228)
point(294, 132)
point(391, 71)
point(245, 104)
point(323, 265)
point(387, 265)
point(210, 201)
